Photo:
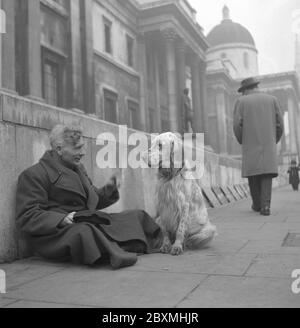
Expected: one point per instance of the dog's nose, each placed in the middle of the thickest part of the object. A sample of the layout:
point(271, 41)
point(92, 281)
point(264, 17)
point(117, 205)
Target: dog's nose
point(149, 159)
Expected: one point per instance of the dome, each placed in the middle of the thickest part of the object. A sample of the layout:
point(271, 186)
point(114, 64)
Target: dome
point(229, 32)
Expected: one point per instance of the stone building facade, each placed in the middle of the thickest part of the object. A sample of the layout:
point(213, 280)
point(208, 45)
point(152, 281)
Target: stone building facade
point(126, 62)
point(231, 57)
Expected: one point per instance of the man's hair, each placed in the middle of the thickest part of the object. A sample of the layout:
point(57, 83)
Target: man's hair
point(65, 134)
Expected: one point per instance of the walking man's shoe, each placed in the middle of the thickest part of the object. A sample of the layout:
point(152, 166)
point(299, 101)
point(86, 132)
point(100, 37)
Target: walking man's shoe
point(255, 209)
point(265, 211)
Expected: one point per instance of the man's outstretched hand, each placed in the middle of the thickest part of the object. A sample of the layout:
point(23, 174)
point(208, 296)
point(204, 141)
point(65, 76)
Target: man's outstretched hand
point(115, 181)
point(68, 220)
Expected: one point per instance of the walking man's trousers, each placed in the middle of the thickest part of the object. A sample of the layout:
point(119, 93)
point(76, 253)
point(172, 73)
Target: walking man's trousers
point(261, 190)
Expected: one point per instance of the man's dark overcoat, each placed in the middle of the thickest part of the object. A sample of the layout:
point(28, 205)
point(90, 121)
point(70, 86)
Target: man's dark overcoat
point(258, 127)
point(48, 191)
point(294, 175)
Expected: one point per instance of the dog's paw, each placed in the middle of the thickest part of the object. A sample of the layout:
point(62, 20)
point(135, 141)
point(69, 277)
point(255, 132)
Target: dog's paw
point(165, 248)
point(176, 250)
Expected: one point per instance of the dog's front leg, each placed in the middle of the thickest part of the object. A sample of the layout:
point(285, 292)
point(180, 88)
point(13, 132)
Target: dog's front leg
point(177, 248)
point(166, 245)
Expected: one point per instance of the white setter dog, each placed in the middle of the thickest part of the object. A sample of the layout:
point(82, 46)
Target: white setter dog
point(181, 210)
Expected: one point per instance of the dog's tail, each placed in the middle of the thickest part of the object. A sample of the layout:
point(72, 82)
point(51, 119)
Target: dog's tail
point(203, 238)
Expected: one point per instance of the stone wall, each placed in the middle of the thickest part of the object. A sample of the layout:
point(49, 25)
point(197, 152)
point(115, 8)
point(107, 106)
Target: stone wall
point(119, 80)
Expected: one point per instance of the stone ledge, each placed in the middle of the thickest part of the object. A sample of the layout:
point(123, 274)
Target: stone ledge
point(32, 113)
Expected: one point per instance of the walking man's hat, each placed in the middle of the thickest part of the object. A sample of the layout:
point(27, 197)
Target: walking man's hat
point(247, 83)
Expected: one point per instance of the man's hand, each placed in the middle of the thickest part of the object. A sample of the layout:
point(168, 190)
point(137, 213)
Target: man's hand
point(115, 181)
point(68, 220)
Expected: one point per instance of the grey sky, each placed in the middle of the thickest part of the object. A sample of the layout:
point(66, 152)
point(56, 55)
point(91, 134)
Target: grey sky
point(269, 21)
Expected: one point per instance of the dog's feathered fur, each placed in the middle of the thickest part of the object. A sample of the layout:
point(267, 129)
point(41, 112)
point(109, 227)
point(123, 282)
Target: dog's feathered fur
point(182, 213)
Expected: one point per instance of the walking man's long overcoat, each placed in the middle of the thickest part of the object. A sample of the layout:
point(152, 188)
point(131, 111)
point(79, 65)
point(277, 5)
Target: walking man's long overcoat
point(258, 127)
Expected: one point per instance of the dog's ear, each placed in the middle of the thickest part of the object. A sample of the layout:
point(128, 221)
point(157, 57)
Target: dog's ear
point(177, 154)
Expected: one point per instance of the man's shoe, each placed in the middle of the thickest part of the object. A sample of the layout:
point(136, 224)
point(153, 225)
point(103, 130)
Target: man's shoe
point(255, 209)
point(265, 211)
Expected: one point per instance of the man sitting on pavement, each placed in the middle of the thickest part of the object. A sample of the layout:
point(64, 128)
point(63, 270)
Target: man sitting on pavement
point(58, 209)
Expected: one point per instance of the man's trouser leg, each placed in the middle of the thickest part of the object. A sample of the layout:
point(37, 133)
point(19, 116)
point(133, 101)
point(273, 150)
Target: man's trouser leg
point(255, 190)
point(266, 190)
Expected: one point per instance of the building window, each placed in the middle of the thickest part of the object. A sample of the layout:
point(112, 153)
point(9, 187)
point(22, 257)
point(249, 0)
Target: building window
point(110, 106)
point(246, 60)
point(130, 47)
point(51, 82)
point(133, 112)
point(107, 36)
point(53, 78)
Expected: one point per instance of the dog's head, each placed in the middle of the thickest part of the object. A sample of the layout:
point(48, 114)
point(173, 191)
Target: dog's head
point(166, 154)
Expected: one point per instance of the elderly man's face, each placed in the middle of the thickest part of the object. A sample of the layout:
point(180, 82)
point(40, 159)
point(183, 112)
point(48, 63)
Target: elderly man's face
point(72, 154)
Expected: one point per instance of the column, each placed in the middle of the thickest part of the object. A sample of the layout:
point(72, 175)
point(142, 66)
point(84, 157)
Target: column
point(198, 121)
point(292, 125)
point(28, 48)
point(142, 68)
point(296, 126)
point(7, 73)
point(170, 38)
point(293, 108)
point(283, 147)
point(157, 87)
point(87, 46)
point(181, 64)
point(203, 101)
point(2, 31)
point(221, 119)
point(75, 97)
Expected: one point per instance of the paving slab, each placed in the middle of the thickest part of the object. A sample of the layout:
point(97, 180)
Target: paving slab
point(42, 305)
point(24, 272)
point(245, 225)
point(190, 262)
point(292, 218)
point(268, 247)
point(280, 266)
point(196, 262)
point(4, 301)
point(242, 292)
point(282, 225)
point(106, 288)
point(228, 245)
point(234, 265)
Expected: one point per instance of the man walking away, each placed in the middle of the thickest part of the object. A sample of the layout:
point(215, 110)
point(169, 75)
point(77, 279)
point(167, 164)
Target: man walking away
point(294, 175)
point(258, 127)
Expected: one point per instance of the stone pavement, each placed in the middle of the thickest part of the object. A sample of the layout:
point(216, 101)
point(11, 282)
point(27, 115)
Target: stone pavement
point(246, 266)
